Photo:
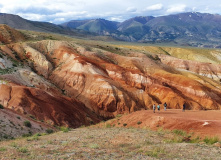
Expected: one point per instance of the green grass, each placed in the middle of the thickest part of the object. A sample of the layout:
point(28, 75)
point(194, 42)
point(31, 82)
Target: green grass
point(108, 125)
point(195, 140)
point(64, 129)
point(211, 140)
point(49, 131)
point(2, 149)
point(119, 115)
point(94, 146)
point(179, 132)
point(156, 152)
point(23, 150)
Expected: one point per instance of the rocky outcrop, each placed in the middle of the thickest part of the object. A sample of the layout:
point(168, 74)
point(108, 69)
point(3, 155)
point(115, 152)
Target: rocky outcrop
point(109, 84)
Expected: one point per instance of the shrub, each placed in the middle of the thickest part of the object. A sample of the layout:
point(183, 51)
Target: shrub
point(32, 117)
point(212, 140)
point(23, 150)
point(94, 146)
point(91, 122)
point(2, 149)
point(195, 140)
point(108, 125)
point(1, 106)
point(119, 115)
point(64, 129)
point(49, 131)
point(34, 138)
point(139, 122)
point(27, 124)
point(125, 124)
point(27, 134)
point(156, 152)
point(179, 132)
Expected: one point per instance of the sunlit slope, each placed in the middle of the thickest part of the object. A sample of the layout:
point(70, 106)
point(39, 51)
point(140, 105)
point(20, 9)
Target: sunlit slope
point(194, 54)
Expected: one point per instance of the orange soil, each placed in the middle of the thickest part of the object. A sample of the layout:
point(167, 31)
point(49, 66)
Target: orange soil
point(203, 123)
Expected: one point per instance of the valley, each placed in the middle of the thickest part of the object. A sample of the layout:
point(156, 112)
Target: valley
point(55, 81)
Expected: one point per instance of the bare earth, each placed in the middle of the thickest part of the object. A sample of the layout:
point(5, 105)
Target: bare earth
point(203, 123)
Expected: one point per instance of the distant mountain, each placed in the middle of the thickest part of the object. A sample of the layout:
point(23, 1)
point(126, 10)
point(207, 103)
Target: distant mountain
point(17, 22)
point(95, 25)
point(192, 28)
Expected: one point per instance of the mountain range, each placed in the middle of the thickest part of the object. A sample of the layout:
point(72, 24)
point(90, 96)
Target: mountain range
point(18, 22)
point(190, 29)
point(193, 29)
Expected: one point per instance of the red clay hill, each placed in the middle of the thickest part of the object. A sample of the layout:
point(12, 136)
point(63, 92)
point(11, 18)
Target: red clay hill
point(74, 83)
point(202, 123)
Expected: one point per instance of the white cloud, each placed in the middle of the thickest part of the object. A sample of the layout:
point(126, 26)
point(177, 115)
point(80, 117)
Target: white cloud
point(57, 11)
point(155, 7)
point(131, 9)
point(177, 8)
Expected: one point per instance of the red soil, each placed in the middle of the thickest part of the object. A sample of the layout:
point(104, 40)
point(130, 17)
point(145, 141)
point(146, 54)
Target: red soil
point(203, 123)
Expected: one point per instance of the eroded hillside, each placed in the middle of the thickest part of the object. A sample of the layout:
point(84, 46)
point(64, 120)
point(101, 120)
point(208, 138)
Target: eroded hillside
point(80, 82)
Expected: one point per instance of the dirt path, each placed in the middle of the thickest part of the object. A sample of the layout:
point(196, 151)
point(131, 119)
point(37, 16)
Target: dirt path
point(204, 123)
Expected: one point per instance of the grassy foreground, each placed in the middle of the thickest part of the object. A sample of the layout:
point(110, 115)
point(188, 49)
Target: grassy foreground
point(110, 143)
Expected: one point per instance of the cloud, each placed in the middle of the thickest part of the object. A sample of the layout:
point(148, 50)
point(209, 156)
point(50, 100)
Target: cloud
point(57, 11)
point(155, 7)
point(131, 9)
point(176, 8)
point(36, 10)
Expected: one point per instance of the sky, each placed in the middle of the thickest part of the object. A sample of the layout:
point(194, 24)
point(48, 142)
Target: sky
point(60, 11)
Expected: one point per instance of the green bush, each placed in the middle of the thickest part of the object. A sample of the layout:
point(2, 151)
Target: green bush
point(108, 125)
point(2, 149)
point(1, 106)
point(23, 150)
point(139, 122)
point(125, 124)
point(27, 134)
point(27, 124)
point(64, 129)
point(49, 131)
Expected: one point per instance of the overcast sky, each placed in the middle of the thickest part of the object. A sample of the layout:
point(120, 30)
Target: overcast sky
point(59, 11)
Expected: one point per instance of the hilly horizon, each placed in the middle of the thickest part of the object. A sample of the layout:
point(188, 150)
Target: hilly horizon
point(185, 29)
point(18, 22)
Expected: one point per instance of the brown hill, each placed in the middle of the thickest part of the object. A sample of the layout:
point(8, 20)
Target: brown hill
point(202, 123)
point(52, 109)
point(9, 35)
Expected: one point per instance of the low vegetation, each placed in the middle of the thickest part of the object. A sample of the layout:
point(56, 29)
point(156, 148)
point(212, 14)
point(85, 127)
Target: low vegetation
point(1, 106)
point(27, 124)
point(111, 143)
